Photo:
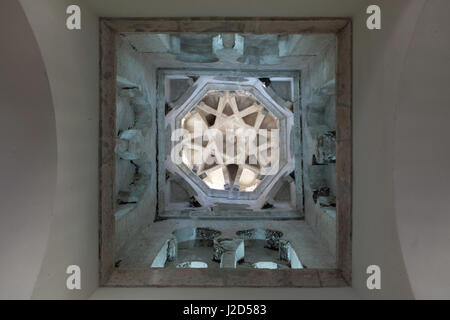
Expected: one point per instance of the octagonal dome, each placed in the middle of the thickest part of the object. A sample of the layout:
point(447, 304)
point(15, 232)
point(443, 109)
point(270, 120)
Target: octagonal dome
point(240, 143)
point(230, 140)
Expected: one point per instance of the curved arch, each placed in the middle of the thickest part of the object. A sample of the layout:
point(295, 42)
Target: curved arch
point(421, 166)
point(29, 153)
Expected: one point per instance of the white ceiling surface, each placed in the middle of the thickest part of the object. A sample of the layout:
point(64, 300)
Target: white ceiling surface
point(235, 8)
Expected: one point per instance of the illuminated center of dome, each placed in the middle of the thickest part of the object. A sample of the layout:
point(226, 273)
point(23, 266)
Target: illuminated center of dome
point(232, 138)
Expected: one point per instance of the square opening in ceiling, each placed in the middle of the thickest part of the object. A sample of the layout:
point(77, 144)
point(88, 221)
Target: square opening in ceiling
point(231, 147)
point(225, 150)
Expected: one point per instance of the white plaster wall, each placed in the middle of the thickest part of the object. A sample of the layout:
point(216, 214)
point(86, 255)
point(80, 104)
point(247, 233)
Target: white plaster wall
point(378, 58)
point(422, 153)
point(401, 156)
point(230, 8)
point(71, 62)
point(28, 155)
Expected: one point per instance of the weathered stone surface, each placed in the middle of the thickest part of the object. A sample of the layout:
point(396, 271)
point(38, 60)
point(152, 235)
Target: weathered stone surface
point(272, 239)
point(228, 252)
point(228, 260)
point(172, 249)
point(129, 146)
point(124, 209)
point(344, 123)
point(294, 261)
point(325, 151)
point(207, 234)
point(329, 201)
point(197, 48)
point(284, 250)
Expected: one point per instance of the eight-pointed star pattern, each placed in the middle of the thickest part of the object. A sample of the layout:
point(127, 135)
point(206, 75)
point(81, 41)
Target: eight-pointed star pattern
point(231, 140)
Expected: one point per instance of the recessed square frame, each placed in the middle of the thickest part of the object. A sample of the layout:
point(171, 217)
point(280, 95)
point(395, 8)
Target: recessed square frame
point(229, 75)
point(307, 278)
